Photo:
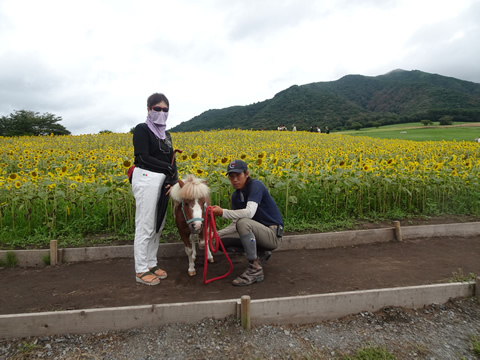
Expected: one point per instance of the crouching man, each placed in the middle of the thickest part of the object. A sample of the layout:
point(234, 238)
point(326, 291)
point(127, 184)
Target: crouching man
point(257, 223)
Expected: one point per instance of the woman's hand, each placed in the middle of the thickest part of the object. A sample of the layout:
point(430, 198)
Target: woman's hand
point(169, 188)
point(217, 210)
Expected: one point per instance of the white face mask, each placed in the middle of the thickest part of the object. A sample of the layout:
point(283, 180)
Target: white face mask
point(157, 123)
point(158, 117)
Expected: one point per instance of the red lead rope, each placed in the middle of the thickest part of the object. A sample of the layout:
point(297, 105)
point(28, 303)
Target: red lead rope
point(210, 234)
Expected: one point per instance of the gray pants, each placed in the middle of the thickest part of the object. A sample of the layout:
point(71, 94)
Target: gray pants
point(266, 237)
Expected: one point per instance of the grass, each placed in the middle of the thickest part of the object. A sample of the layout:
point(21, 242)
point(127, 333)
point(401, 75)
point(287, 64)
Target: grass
point(46, 259)
point(418, 132)
point(459, 276)
point(28, 348)
point(475, 341)
point(10, 260)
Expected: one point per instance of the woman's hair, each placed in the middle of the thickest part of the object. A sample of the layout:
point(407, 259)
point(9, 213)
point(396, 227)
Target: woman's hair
point(154, 99)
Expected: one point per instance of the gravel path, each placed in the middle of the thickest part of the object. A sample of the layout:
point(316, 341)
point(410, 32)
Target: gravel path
point(434, 332)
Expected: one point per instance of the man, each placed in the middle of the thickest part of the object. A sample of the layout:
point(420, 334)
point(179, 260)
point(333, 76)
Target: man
point(257, 222)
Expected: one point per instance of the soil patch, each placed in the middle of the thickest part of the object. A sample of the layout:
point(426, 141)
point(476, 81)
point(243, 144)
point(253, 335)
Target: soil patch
point(111, 283)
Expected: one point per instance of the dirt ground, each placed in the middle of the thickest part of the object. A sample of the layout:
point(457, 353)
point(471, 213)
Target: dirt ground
point(111, 283)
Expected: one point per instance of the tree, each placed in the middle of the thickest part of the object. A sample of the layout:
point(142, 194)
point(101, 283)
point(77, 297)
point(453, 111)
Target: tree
point(446, 120)
point(426, 122)
point(357, 126)
point(30, 123)
point(375, 124)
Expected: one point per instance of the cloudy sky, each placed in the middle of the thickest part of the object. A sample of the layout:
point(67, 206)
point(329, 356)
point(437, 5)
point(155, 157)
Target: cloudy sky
point(95, 62)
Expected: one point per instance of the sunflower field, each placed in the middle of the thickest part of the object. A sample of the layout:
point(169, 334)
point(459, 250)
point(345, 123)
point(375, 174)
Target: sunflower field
point(65, 187)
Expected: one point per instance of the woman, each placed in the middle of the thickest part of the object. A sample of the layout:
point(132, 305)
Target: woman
point(154, 174)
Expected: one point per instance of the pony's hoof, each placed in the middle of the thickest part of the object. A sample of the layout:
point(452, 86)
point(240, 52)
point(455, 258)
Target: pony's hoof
point(210, 260)
point(192, 273)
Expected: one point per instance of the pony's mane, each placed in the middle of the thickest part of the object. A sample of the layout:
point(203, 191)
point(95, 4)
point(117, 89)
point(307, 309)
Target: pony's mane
point(193, 188)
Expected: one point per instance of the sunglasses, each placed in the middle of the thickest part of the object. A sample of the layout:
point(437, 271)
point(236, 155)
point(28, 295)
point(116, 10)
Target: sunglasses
point(159, 108)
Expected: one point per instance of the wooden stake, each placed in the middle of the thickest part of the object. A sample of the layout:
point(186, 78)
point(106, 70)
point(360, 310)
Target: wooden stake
point(398, 230)
point(53, 252)
point(245, 312)
point(477, 288)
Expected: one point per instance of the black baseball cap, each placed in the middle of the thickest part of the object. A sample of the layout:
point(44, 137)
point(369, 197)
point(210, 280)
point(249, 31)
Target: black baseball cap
point(237, 166)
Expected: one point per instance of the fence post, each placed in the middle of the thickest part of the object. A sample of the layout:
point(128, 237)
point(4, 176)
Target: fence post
point(477, 288)
point(398, 230)
point(53, 252)
point(245, 312)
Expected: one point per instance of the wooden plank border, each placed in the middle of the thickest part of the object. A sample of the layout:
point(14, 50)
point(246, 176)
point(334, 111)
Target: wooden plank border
point(315, 308)
point(34, 258)
point(287, 310)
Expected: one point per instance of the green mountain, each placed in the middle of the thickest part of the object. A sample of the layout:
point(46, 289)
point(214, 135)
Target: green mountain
point(353, 101)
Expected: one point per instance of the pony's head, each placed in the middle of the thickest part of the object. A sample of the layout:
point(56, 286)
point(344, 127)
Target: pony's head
point(192, 196)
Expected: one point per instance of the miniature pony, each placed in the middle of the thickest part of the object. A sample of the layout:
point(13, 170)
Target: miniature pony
point(190, 200)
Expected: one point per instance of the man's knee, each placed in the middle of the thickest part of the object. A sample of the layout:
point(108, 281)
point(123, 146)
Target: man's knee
point(244, 226)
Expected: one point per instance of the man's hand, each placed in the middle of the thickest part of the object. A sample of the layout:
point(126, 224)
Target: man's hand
point(217, 210)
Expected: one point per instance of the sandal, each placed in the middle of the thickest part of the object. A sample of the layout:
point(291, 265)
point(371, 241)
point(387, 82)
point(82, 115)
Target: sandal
point(153, 281)
point(159, 273)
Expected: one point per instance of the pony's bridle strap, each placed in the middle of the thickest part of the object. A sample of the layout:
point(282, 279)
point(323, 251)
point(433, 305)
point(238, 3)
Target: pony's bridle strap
point(191, 220)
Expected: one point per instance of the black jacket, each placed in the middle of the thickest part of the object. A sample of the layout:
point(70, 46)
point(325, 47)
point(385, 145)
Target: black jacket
point(154, 154)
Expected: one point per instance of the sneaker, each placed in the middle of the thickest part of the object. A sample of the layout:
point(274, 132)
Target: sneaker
point(266, 255)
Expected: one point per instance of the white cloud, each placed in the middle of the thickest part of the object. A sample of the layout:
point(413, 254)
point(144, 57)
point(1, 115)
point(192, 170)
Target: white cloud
point(94, 63)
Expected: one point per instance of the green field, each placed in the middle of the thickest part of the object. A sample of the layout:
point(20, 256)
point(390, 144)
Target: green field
point(418, 132)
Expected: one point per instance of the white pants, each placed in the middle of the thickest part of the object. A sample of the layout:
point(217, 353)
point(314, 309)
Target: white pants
point(146, 186)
